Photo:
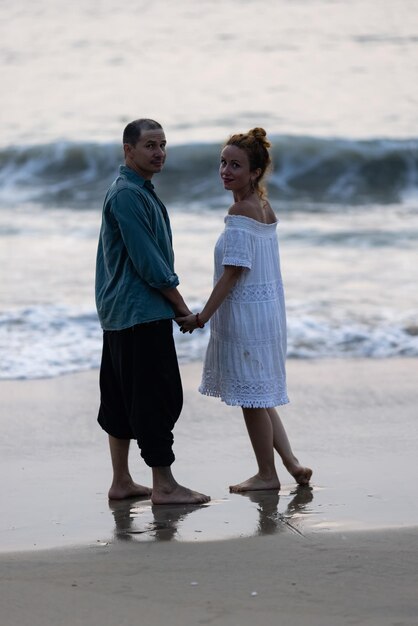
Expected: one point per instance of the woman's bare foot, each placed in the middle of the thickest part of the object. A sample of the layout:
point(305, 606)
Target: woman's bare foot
point(128, 489)
point(256, 483)
point(301, 474)
point(177, 494)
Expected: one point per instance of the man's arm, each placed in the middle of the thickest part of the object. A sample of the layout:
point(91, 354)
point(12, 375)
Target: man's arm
point(176, 300)
point(141, 244)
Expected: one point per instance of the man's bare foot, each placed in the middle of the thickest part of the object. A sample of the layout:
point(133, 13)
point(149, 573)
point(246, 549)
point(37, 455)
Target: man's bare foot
point(128, 489)
point(256, 483)
point(166, 490)
point(177, 495)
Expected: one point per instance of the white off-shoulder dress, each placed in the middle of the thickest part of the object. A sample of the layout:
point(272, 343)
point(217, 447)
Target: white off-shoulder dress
point(246, 355)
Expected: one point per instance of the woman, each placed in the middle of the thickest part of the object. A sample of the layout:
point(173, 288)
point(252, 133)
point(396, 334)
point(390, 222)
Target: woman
point(245, 358)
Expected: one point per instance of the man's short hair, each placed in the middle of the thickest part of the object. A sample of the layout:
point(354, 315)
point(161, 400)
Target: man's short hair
point(133, 130)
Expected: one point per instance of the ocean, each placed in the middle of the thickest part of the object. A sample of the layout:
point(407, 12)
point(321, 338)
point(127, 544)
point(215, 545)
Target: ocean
point(334, 83)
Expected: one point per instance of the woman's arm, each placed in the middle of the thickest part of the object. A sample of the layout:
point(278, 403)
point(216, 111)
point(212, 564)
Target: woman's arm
point(222, 288)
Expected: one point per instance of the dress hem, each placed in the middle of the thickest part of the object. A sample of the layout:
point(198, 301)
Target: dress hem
point(246, 404)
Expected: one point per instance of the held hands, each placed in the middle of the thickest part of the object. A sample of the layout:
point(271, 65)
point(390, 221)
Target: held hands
point(189, 323)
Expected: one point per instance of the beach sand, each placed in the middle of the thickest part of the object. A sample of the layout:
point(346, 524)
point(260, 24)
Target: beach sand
point(343, 552)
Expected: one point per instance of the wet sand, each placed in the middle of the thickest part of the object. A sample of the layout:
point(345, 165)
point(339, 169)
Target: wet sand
point(343, 551)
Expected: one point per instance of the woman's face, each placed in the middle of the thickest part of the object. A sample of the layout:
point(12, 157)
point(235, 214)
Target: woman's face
point(234, 169)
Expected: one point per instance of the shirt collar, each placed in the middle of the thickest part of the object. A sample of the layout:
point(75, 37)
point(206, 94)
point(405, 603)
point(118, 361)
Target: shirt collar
point(134, 177)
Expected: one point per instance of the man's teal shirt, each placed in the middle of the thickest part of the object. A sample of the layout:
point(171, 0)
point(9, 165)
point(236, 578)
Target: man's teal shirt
point(135, 258)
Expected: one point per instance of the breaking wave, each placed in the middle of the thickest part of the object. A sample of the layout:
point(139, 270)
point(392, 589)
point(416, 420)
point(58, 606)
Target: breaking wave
point(336, 171)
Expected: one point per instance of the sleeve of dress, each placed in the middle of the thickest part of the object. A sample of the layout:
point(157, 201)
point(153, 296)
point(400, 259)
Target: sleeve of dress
point(238, 248)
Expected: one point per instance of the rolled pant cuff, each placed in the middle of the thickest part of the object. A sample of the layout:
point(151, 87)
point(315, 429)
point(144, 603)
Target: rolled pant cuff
point(159, 460)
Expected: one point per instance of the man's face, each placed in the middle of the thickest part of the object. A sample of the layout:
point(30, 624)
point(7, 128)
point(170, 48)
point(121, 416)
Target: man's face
point(148, 156)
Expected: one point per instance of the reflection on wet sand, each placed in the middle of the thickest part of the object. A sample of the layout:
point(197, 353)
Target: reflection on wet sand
point(159, 521)
point(270, 519)
point(140, 520)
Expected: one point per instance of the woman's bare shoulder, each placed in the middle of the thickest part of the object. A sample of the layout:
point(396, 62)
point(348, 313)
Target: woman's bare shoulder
point(243, 208)
point(263, 213)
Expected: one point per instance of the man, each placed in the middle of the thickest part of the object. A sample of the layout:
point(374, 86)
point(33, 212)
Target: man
point(137, 298)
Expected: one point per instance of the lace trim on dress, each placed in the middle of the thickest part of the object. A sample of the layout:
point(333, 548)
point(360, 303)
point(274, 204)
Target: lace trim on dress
point(230, 260)
point(259, 394)
point(256, 293)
